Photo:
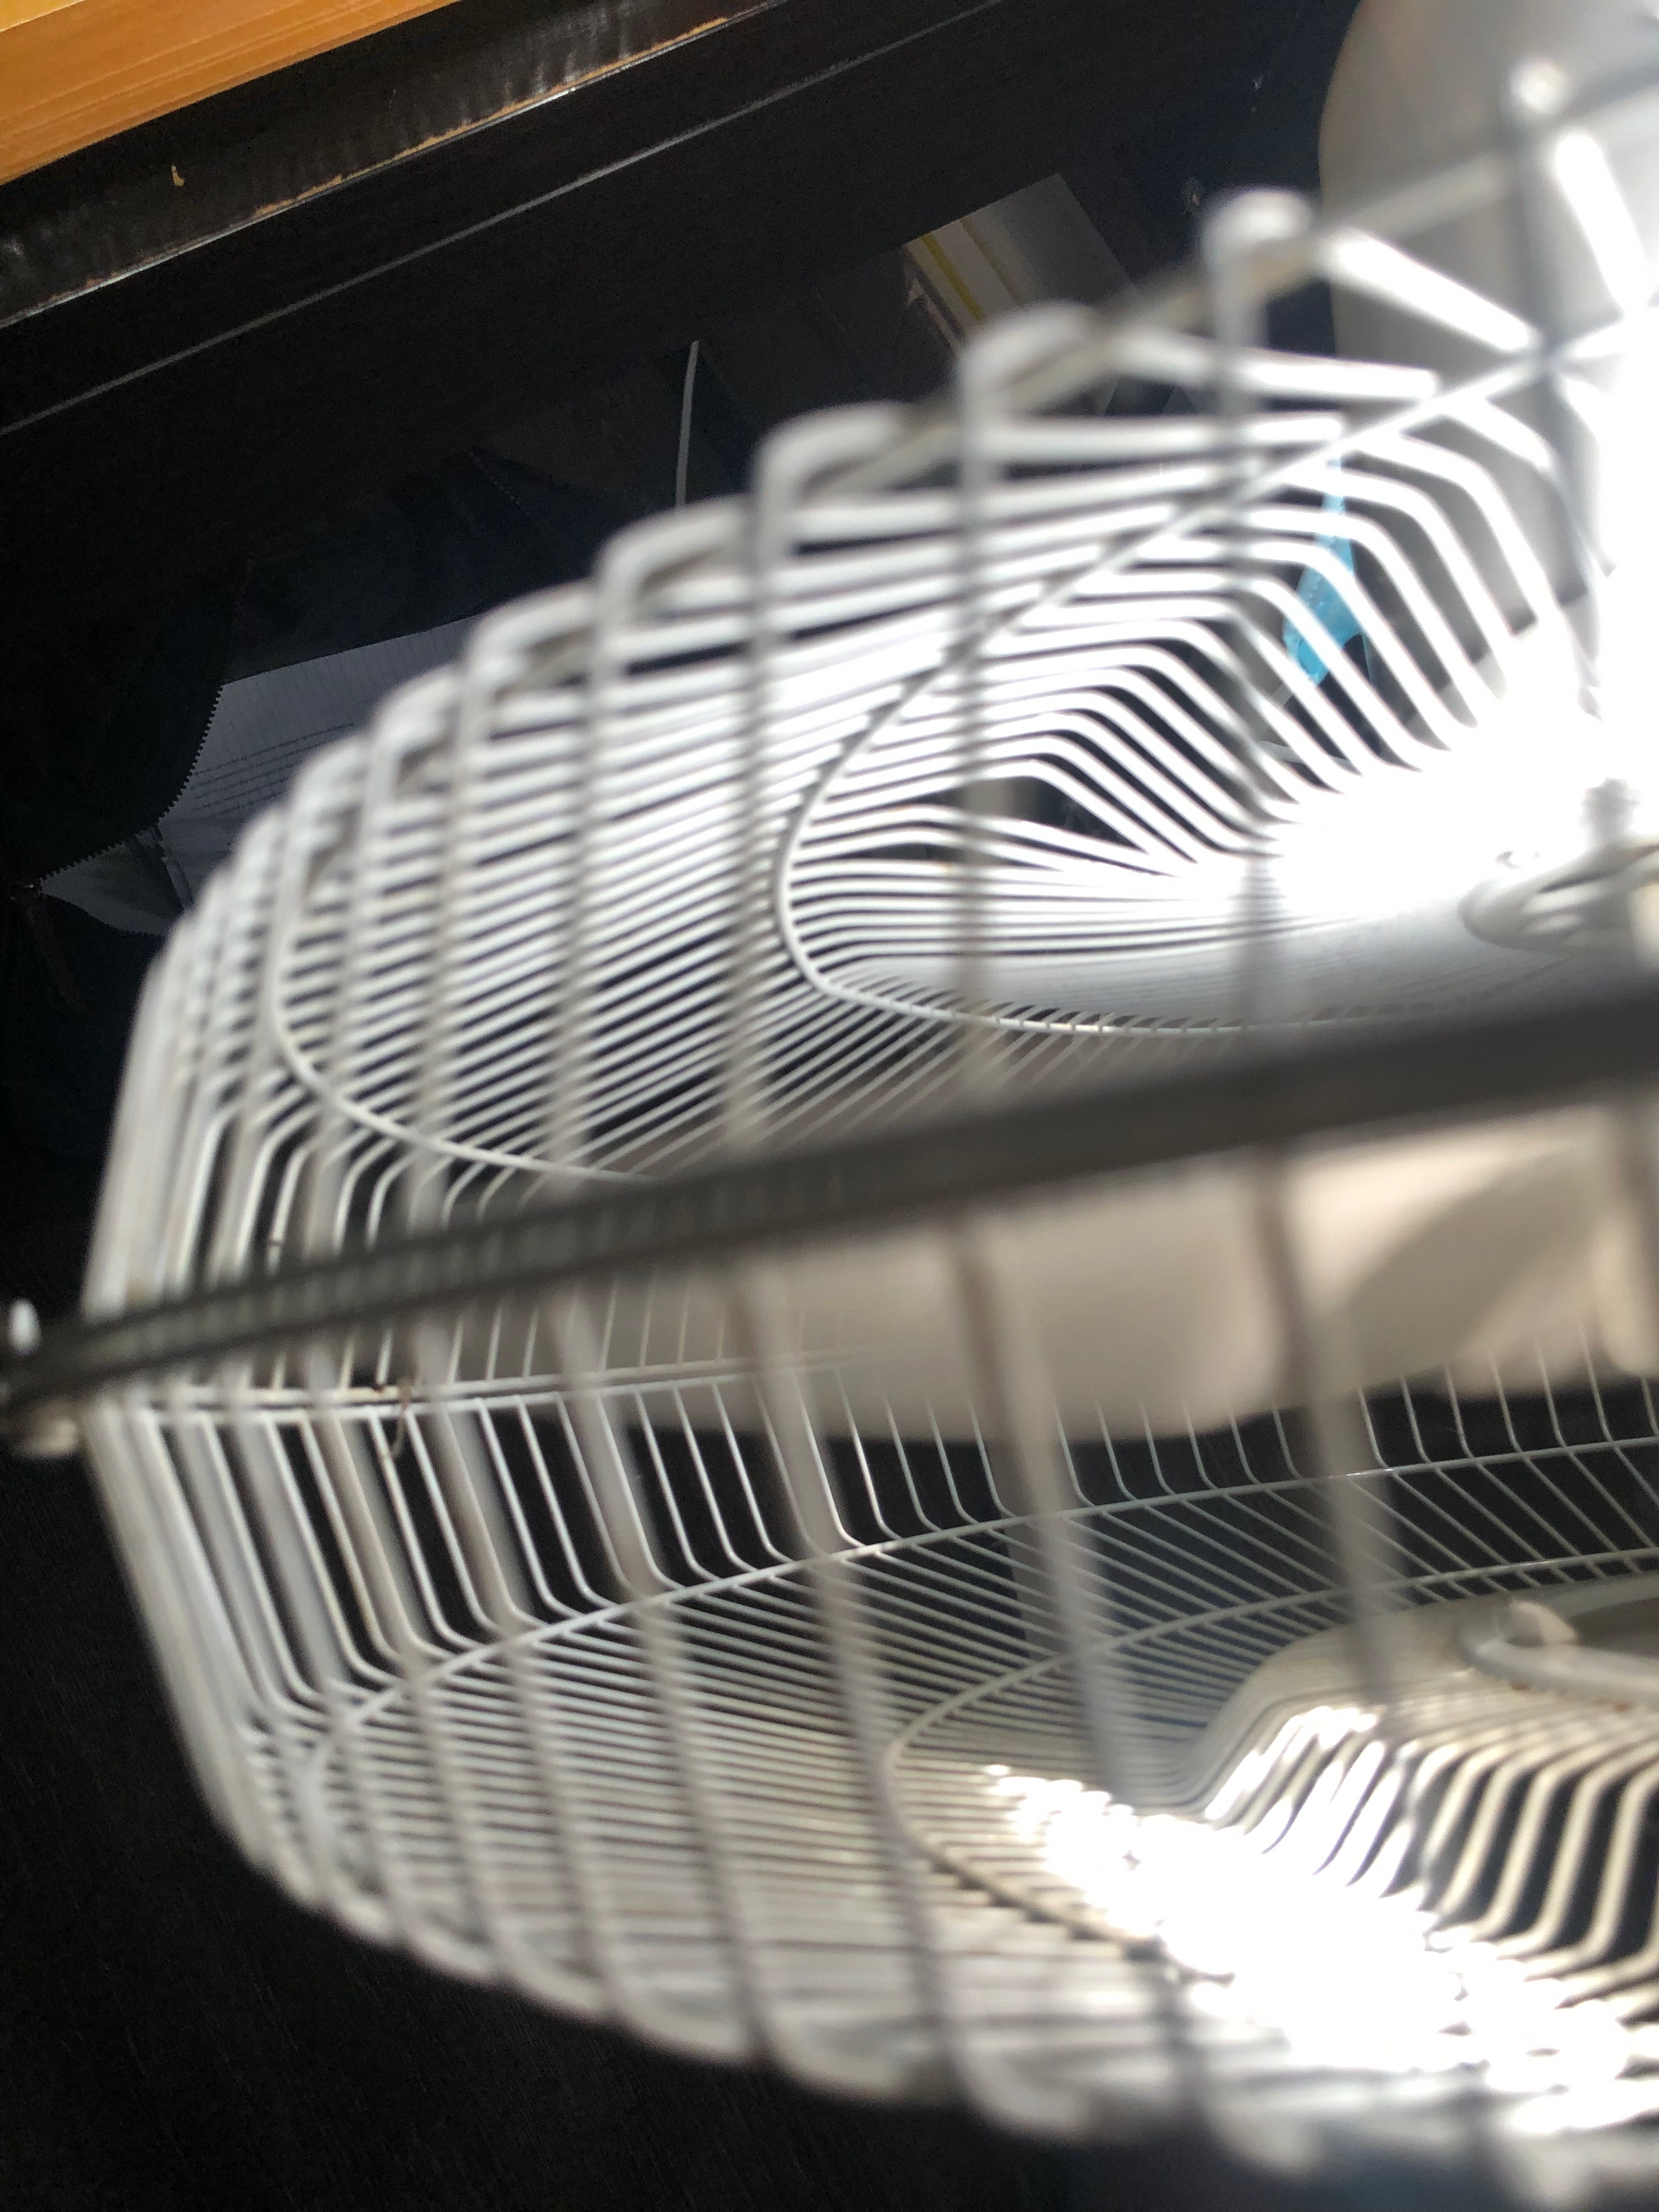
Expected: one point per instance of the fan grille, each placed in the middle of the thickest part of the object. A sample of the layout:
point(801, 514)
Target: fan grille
point(698, 1653)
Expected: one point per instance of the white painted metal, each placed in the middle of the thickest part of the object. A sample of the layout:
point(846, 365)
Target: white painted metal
point(855, 1659)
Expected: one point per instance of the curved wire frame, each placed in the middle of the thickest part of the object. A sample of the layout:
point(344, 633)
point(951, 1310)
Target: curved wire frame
point(679, 1665)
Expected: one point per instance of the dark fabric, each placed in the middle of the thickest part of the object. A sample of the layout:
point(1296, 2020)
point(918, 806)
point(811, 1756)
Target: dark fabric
point(61, 1055)
point(100, 723)
point(62, 1066)
point(449, 543)
point(100, 727)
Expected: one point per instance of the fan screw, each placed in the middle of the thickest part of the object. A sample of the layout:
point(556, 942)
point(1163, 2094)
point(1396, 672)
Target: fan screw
point(1533, 1626)
point(1538, 88)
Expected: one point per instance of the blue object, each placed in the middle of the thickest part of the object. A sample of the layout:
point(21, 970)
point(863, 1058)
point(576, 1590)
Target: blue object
point(1323, 600)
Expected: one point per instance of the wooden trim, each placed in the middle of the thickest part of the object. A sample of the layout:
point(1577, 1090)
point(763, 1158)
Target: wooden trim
point(250, 381)
point(13, 12)
point(74, 71)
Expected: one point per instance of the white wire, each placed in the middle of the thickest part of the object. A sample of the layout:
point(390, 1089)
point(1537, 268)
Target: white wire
point(398, 1584)
point(688, 393)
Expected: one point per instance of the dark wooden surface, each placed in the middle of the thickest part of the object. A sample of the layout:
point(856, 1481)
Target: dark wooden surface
point(233, 387)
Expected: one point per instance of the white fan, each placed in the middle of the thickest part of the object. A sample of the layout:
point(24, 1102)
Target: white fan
point(813, 1611)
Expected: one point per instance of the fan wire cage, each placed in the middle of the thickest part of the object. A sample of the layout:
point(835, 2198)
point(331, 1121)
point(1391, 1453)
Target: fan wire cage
point(884, 1301)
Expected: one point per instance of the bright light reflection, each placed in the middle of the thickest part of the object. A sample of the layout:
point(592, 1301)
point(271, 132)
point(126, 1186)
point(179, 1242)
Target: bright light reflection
point(1353, 1983)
